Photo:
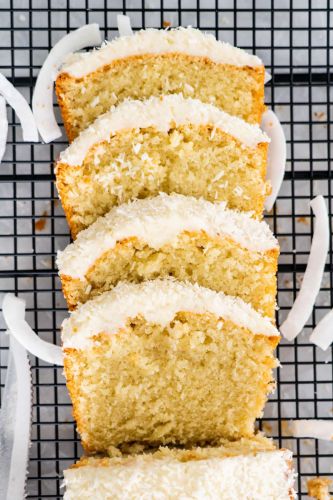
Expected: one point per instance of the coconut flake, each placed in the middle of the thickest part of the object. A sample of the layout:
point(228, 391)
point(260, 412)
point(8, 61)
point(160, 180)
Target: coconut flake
point(42, 101)
point(268, 77)
point(317, 429)
point(303, 305)
point(3, 127)
point(13, 309)
point(16, 100)
point(322, 335)
point(277, 155)
point(124, 25)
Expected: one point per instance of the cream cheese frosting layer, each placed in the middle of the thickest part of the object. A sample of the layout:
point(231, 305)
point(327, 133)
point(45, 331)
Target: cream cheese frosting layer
point(158, 302)
point(261, 476)
point(162, 113)
point(189, 41)
point(158, 221)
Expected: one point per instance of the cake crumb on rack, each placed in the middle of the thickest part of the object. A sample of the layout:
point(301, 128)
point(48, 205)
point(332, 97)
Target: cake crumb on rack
point(318, 487)
point(41, 223)
point(267, 428)
point(320, 115)
point(285, 428)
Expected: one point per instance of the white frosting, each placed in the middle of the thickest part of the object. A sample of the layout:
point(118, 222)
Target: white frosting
point(263, 476)
point(151, 41)
point(158, 301)
point(162, 113)
point(158, 221)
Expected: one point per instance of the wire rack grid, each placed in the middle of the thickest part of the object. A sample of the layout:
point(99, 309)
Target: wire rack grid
point(293, 37)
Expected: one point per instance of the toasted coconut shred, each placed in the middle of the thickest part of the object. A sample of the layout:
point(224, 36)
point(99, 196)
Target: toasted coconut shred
point(3, 127)
point(13, 309)
point(303, 305)
point(317, 429)
point(277, 155)
point(42, 101)
point(16, 100)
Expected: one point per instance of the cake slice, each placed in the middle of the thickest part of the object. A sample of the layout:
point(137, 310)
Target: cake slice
point(156, 62)
point(166, 362)
point(173, 235)
point(169, 144)
point(246, 469)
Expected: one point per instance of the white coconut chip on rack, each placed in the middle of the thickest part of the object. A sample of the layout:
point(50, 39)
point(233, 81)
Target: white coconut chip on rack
point(15, 423)
point(322, 335)
point(317, 429)
point(124, 25)
point(3, 127)
point(13, 309)
point(42, 101)
point(268, 77)
point(303, 305)
point(277, 155)
point(16, 100)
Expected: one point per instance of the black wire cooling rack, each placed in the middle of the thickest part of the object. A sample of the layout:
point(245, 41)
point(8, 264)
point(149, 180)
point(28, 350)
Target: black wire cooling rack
point(293, 37)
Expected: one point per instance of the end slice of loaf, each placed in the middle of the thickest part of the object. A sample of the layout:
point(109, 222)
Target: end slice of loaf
point(241, 469)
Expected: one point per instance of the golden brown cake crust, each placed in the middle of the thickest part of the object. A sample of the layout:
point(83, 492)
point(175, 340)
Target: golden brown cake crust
point(65, 81)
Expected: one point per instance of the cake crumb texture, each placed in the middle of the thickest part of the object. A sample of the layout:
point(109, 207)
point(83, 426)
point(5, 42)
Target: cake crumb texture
point(192, 161)
point(221, 265)
point(162, 113)
point(238, 91)
point(143, 382)
point(157, 301)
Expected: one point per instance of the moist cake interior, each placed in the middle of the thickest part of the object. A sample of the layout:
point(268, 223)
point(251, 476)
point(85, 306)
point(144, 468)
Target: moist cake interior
point(197, 161)
point(195, 380)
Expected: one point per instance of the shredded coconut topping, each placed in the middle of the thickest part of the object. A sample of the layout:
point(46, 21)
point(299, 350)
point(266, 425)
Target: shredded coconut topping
point(152, 41)
point(264, 475)
point(158, 302)
point(158, 221)
point(163, 113)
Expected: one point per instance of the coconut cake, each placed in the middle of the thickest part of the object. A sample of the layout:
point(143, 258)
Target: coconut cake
point(135, 359)
point(157, 62)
